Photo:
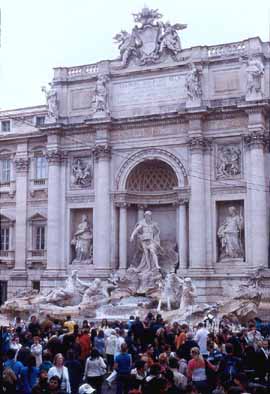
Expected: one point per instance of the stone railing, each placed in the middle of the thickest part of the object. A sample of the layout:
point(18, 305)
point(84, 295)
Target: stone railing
point(82, 70)
point(236, 48)
point(7, 257)
point(38, 253)
point(37, 184)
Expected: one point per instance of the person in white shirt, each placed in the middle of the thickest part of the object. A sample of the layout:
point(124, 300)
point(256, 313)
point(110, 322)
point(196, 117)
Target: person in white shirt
point(36, 350)
point(201, 338)
point(110, 348)
point(95, 369)
point(62, 372)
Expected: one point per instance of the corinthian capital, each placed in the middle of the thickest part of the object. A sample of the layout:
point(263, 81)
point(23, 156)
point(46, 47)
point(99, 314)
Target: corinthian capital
point(21, 164)
point(256, 140)
point(102, 151)
point(54, 156)
point(199, 143)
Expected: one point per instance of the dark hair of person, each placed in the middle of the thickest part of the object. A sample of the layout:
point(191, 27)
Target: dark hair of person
point(139, 364)
point(173, 362)
point(11, 353)
point(47, 356)
point(101, 334)
point(94, 354)
point(70, 355)
point(168, 375)
point(55, 377)
point(155, 369)
point(229, 348)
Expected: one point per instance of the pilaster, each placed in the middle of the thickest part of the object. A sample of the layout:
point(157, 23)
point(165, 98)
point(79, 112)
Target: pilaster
point(21, 163)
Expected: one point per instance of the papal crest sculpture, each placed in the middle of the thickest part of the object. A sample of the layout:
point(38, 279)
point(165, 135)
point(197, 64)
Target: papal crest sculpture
point(150, 41)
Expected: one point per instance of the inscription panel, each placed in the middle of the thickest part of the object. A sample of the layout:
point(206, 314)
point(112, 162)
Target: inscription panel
point(81, 99)
point(149, 132)
point(147, 95)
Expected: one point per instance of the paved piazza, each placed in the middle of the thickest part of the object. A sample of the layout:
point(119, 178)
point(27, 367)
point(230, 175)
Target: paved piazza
point(180, 132)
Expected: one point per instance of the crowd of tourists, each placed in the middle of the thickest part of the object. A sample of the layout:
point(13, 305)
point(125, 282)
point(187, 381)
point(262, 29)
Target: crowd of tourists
point(148, 356)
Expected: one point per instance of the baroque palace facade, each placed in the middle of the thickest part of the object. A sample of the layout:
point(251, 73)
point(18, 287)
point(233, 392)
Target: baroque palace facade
point(181, 132)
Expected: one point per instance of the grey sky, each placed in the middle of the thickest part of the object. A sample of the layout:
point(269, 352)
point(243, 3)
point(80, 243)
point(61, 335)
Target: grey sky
point(38, 35)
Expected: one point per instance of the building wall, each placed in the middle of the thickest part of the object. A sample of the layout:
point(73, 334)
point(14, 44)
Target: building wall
point(149, 119)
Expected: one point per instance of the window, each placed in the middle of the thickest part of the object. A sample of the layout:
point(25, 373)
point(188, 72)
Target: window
point(36, 285)
point(41, 167)
point(40, 121)
point(40, 238)
point(4, 238)
point(3, 291)
point(5, 126)
point(5, 171)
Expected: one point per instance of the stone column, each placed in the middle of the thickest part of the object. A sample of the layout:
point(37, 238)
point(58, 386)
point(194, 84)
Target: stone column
point(257, 190)
point(123, 239)
point(197, 220)
point(141, 210)
point(102, 223)
point(54, 229)
point(22, 165)
point(182, 235)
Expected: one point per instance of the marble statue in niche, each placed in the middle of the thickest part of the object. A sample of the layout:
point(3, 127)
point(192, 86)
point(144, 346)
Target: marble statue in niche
point(83, 242)
point(229, 235)
point(148, 234)
point(193, 85)
point(100, 102)
point(82, 173)
point(255, 72)
point(228, 161)
point(52, 102)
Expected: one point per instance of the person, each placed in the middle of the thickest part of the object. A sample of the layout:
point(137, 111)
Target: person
point(36, 350)
point(99, 342)
point(85, 343)
point(15, 365)
point(148, 233)
point(29, 375)
point(15, 344)
point(75, 371)
point(46, 363)
point(196, 371)
point(110, 348)
point(54, 385)
point(9, 381)
point(61, 371)
point(229, 365)
point(122, 365)
point(201, 338)
point(42, 387)
point(262, 360)
point(95, 369)
point(34, 326)
point(69, 324)
point(180, 380)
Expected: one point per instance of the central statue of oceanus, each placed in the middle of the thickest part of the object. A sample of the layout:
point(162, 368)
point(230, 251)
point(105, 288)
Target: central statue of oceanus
point(148, 234)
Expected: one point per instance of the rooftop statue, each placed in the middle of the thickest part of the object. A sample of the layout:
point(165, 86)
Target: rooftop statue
point(150, 41)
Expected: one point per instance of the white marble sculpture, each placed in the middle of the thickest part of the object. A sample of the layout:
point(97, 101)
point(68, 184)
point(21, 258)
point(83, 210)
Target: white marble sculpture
point(188, 297)
point(228, 161)
point(255, 72)
point(100, 101)
point(82, 173)
point(52, 102)
point(193, 86)
point(128, 44)
point(171, 290)
point(83, 242)
point(169, 39)
point(229, 234)
point(148, 233)
point(150, 41)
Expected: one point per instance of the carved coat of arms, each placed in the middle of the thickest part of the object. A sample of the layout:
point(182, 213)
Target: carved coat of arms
point(150, 40)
